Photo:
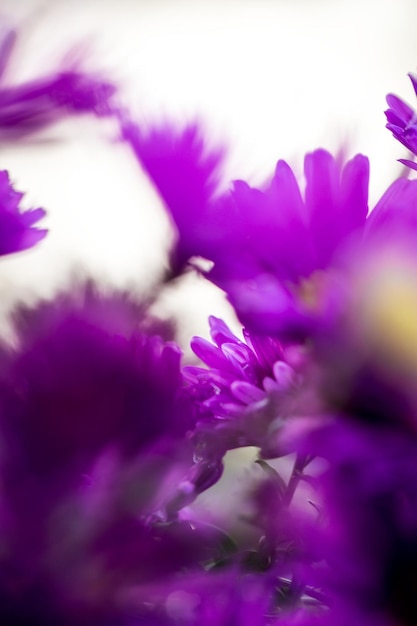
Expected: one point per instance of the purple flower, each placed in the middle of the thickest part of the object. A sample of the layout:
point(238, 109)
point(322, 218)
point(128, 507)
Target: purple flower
point(186, 174)
point(289, 243)
point(94, 459)
point(32, 105)
point(289, 273)
point(85, 376)
point(368, 534)
point(247, 388)
point(17, 227)
point(83, 555)
point(270, 230)
point(277, 252)
point(263, 243)
point(402, 122)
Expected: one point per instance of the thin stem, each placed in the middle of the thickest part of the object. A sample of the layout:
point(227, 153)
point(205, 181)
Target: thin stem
point(301, 462)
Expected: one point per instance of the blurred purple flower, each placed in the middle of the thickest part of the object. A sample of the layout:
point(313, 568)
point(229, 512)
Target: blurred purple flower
point(368, 532)
point(186, 174)
point(253, 222)
point(17, 227)
point(291, 247)
point(32, 105)
point(276, 252)
point(82, 555)
point(402, 122)
point(85, 376)
point(94, 455)
point(261, 241)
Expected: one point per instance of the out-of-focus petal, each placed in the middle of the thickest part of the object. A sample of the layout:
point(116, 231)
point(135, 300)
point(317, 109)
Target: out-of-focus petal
point(17, 227)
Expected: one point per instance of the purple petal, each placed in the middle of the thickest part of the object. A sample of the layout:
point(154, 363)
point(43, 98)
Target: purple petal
point(410, 164)
point(220, 332)
point(337, 201)
point(31, 106)
point(185, 173)
point(413, 78)
point(400, 108)
point(395, 215)
point(246, 393)
point(209, 354)
point(16, 227)
point(264, 306)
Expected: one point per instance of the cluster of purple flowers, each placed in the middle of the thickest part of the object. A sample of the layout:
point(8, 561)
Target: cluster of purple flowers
point(107, 438)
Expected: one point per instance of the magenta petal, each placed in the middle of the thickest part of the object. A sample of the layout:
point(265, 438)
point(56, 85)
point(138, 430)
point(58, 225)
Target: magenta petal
point(246, 393)
point(400, 108)
point(354, 193)
point(266, 307)
point(395, 217)
point(336, 200)
point(410, 164)
point(210, 354)
point(185, 173)
point(413, 78)
point(402, 120)
point(220, 332)
point(16, 232)
point(292, 244)
point(322, 202)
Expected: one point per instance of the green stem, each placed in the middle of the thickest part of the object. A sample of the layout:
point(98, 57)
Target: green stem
point(301, 462)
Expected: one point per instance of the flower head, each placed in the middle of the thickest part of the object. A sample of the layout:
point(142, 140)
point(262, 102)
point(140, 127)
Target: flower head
point(286, 240)
point(367, 535)
point(186, 174)
point(17, 227)
point(402, 122)
point(246, 390)
point(262, 242)
point(94, 452)
point(85, 376)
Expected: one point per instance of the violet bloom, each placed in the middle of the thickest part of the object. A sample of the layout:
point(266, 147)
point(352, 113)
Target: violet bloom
point(275, 250)
point(291, 257)
point(246, 389)
point(17, 227)
point(87, 570)
point(32, 105)
point(94, 428)
point(261, 241)
point(402, 122)
point(186, 174)
point(82, 555)
point(249, 231)
point(85, 376)
point(368, 535)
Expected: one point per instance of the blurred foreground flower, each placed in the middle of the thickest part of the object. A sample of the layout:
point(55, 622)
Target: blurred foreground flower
point(94, 448)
